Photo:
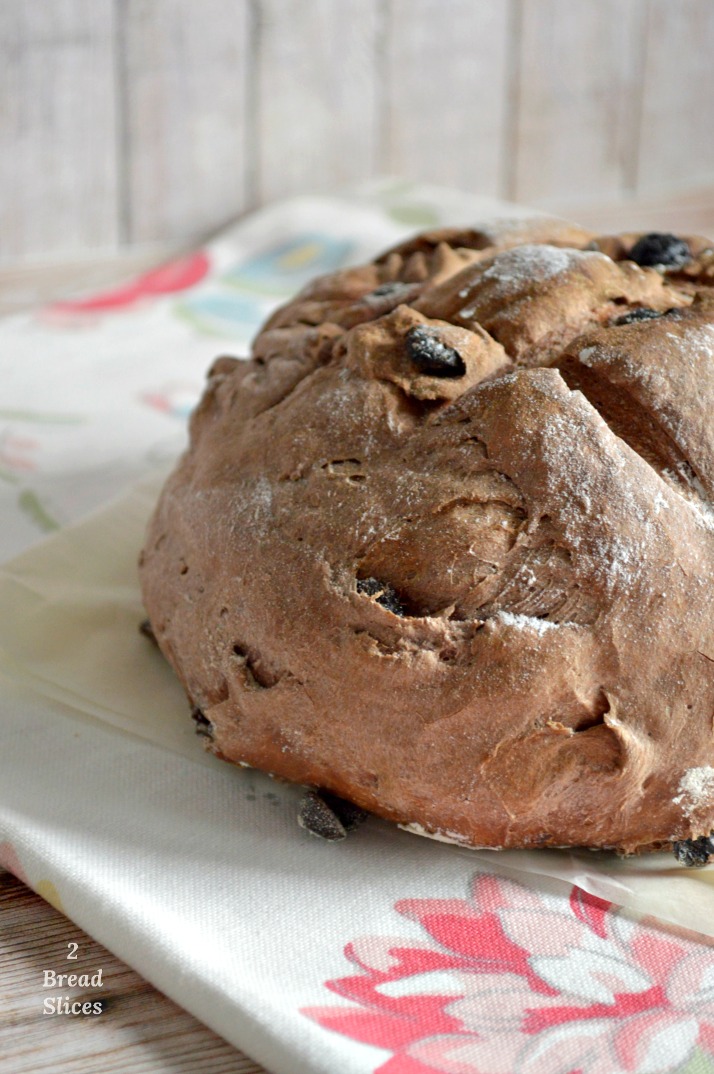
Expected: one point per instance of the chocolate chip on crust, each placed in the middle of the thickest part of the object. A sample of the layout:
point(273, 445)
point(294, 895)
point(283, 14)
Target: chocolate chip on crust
point(349, 814)
point(204, 727)
point(147, 630)
point(317, 818)
point(694, 853)
point(431, 356)
point(388, 289)
point(660, 248)
point(641, 313)
point(383, 593)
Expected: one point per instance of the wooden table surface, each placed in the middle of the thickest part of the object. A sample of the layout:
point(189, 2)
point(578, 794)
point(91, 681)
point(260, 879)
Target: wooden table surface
point(140, 1030)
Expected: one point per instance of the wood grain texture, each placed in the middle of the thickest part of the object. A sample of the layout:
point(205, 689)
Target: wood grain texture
point(578, 99)
point(132, 122)
point(677, 120)
point(185, 73)
point(317, 95)
point(138, 1030)
point(58, 161)
point(689, 213)
point(445, 98)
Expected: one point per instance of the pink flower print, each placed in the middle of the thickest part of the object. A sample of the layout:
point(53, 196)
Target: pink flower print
point(176, 399)
point(17, 452)
point(168, 279)
point(9, 860)
point(516, 981)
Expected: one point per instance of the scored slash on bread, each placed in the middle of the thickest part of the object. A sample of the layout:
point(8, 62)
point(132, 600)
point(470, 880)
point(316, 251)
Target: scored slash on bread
point(444, 547)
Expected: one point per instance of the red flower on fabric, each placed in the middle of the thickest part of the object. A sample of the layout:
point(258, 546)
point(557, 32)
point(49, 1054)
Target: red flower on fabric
point(9, 860)
point(168, 279)
point(515, 981)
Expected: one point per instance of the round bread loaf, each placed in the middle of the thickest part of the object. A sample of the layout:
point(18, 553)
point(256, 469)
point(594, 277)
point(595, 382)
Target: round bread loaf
point(444, 547)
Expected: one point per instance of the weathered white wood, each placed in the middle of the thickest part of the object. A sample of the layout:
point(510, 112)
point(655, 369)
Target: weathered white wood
point(58, 171)
point(139, 1030)
point(677, 132)
point(185, 71)
point(688, 212)
point(578, 99)
point(153, 121)
point(317, 95)
point(446, 97)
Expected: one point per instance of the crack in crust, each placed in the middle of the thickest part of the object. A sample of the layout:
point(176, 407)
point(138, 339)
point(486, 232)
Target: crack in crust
point(653, 383)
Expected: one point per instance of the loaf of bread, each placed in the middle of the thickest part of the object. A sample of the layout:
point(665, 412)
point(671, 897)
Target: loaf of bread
point(444, 546)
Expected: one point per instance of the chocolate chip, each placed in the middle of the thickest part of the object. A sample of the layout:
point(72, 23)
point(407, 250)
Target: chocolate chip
point(388, 295)
point(662, 250)
point(147, 630)
point(349, 814)
point(432, 356)
point(369, 586)
point(393, 288)
point(640, 313)
point(204, 727)
point(694, 853)
point(383, 593)
point(316, 817)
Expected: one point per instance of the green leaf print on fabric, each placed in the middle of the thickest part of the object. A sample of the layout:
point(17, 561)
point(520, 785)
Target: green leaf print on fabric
point(30, 505)
point(698, 1064)
point(415, 215)
point(37, 417)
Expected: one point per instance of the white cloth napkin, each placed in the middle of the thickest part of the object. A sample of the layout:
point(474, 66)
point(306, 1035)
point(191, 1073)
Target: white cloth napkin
point(387, 952)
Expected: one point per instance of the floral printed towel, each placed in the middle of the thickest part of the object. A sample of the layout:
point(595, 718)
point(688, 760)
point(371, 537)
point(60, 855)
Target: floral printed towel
point(386, 953)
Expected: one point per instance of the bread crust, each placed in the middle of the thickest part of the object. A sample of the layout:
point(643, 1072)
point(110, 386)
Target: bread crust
point(475, 599)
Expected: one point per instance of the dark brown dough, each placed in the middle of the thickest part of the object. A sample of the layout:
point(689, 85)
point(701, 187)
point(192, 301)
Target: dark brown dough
point(444, 547)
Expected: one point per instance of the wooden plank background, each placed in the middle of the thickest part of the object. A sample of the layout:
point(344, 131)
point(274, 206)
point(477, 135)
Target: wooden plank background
point(127, 123)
